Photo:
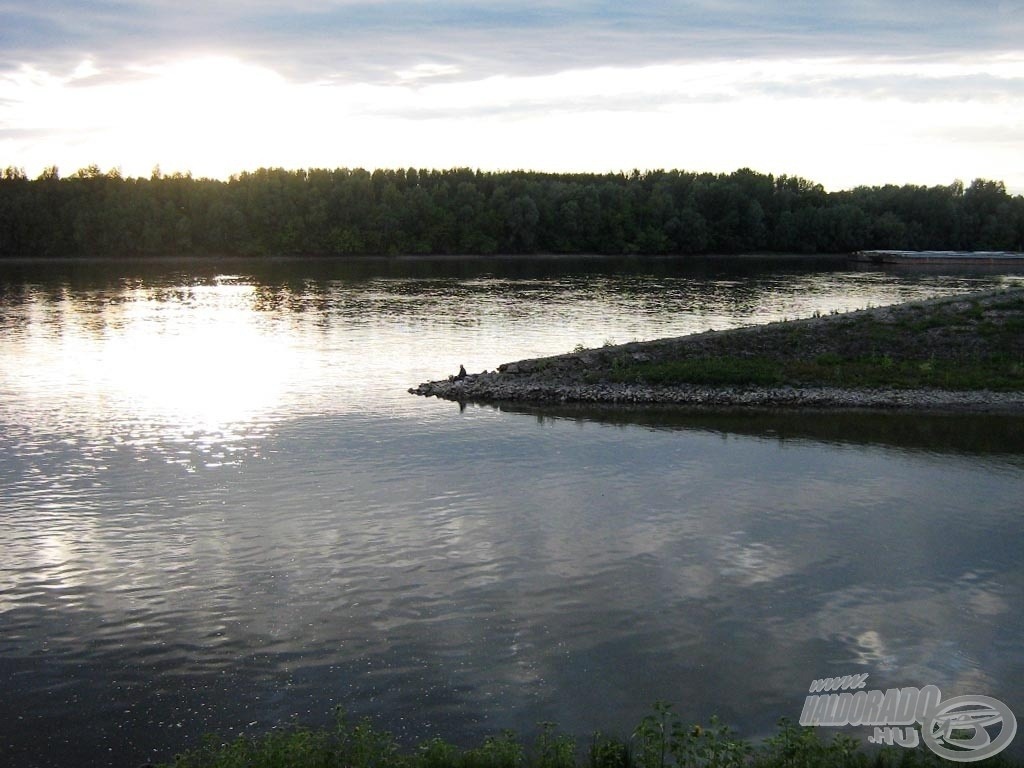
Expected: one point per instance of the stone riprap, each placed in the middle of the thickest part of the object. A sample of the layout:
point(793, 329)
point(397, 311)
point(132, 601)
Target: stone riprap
point(586, 376)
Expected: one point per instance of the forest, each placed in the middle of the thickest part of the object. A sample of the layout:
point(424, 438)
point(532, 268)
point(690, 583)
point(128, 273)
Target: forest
point(462, 211)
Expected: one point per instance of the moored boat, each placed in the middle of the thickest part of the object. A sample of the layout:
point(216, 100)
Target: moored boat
point(938, 257)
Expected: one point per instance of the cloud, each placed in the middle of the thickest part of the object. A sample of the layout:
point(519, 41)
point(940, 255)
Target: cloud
point(659, 88)
point(553, 85)
point(370, 41)
point(219, 115)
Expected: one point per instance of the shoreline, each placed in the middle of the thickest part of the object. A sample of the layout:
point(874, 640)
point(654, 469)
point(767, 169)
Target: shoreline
point(934, 332)
point(483, 388)
point(961, 258)
point(837, 256)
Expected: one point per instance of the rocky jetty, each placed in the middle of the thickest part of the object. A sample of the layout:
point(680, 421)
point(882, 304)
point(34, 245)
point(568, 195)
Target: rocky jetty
point(933, 332)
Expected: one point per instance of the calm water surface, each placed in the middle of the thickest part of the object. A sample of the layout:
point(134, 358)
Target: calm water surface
point(221, 510)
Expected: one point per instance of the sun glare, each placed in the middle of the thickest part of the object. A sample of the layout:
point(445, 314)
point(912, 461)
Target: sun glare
point(837, 121)
point(160, 366)
point(197, 114)
point(200, 373)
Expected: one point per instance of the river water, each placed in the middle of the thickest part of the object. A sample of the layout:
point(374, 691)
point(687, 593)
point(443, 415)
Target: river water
point(222, 511)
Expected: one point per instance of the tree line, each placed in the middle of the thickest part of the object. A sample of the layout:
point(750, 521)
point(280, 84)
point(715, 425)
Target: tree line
point(462, 211)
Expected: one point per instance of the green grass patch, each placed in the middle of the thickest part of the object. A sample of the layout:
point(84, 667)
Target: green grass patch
point(999, 373)
point(661, 740)
point(1014, 303)
point(926, 323)
point(710, 371)
point(961, 345)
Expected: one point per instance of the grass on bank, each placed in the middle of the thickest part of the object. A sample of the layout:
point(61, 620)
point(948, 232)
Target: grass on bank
point(1003, 373)
point(659, 741)
point(958, 345)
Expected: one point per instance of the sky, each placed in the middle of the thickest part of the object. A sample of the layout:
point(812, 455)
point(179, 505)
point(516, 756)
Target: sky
point(841, 92)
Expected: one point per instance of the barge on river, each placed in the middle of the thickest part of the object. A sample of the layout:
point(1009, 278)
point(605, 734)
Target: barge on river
point(939, 257)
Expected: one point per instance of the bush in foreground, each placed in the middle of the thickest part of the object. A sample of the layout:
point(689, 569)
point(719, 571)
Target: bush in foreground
point(661, 740)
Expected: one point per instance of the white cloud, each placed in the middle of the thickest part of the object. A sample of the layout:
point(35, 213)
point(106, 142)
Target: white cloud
point(825, 118)
point(364, 40)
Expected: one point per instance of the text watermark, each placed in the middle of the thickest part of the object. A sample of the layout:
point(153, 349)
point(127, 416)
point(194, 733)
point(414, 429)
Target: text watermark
point(963, 728)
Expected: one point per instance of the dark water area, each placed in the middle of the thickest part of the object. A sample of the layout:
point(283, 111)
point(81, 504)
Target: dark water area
point(221, 510)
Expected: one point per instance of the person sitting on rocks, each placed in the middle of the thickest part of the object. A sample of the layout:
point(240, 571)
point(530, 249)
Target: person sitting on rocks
point(462, 373)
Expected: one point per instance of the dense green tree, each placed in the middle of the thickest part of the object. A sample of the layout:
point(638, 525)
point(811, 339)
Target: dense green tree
point(460, 210)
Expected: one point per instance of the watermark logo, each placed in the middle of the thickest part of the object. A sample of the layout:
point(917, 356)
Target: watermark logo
point(959, 729)
point(963, 728)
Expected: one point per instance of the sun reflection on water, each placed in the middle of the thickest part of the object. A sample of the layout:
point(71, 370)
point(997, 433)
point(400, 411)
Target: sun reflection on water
point(152, 364)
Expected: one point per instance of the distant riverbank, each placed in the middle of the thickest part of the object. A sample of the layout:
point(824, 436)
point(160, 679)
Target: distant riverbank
point(952, 353)
point(354, 211)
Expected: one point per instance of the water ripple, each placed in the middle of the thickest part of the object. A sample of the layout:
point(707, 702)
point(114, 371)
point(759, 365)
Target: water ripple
point(220, 507)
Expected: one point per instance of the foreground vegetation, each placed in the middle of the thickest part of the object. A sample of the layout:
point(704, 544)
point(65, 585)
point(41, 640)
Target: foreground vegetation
point(660, 741)
point(461, 211)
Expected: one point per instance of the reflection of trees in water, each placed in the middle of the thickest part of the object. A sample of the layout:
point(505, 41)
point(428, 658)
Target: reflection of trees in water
point(969, 434)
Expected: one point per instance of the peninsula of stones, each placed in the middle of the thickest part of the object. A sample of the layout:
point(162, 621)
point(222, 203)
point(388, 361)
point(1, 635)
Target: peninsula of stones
point(963, 352)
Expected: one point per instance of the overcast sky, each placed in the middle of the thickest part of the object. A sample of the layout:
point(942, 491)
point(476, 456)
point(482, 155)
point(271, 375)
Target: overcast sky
point(843, 92)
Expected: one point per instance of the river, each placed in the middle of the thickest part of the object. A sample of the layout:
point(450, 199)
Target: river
point(222, 511)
